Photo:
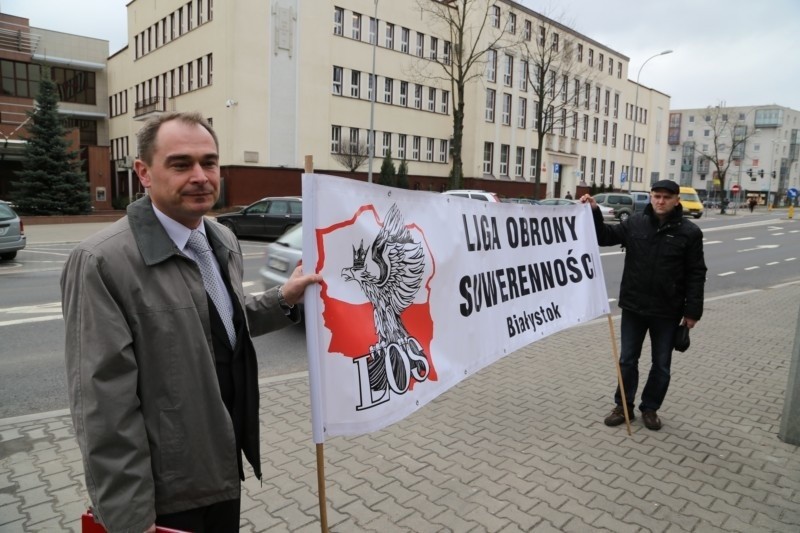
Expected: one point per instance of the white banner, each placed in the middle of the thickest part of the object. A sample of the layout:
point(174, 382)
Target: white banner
point(423, 289)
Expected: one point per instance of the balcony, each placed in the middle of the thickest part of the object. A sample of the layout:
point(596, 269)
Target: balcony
point(148, 107)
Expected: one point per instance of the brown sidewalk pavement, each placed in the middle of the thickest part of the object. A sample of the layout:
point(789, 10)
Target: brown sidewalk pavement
point(520, 446)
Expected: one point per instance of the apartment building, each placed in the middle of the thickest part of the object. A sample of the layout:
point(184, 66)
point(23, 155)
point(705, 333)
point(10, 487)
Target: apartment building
point(78, 66)
point(287, 79)
point(757, 144)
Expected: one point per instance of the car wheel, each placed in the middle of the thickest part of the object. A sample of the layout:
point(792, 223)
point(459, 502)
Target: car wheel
point(8, 256)
point(624, 216)
point(230, 226)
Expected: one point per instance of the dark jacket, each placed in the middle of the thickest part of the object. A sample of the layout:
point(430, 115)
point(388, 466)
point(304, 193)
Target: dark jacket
point(665, 272)
point(144, 394)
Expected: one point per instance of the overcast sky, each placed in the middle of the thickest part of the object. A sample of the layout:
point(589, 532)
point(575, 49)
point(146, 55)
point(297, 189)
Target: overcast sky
point(738, 52)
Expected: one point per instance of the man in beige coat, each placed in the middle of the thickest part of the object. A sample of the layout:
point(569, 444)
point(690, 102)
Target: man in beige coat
point(162, 376)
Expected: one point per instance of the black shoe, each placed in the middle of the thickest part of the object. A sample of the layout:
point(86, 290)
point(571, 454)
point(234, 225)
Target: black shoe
point(651, 420)
point(617, 416)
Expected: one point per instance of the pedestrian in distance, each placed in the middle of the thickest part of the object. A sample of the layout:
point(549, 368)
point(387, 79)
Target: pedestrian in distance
point(162, 372)
point(568, 196)
point(751, 203)
point(662, 286)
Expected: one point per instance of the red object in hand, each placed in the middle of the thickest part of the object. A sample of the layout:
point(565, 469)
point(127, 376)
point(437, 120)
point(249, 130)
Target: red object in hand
point(88, 525)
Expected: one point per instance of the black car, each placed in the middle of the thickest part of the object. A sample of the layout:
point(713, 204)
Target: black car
point(268, 217)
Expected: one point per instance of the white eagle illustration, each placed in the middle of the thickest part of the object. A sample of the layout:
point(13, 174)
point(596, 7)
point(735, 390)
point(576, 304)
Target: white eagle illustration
point(401, 263)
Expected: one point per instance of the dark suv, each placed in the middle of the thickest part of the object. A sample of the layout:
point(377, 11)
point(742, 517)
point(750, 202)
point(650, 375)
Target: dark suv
point(622, 203)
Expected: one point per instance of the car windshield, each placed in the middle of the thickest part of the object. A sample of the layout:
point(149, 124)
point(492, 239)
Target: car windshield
point(292, 238)
point(6, 213)
point(690, 197)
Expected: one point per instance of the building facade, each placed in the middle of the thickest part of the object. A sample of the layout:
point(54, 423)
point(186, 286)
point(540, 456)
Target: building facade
point(78, 66)
point(287, 79)
point(758, 145)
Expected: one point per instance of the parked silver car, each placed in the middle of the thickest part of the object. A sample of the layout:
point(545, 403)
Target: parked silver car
point(12, 233)
point(282, 257)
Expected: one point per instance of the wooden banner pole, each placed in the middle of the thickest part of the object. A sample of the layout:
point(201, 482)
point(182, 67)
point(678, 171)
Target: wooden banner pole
point(619, 375)
point(323, 504)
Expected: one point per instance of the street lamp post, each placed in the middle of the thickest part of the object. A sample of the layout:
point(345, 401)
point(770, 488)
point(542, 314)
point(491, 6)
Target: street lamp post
point(371, 139)
point(769, 177)
point(635, 107)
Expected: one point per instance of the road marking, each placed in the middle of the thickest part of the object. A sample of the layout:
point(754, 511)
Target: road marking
point(759, 247)
point(776, 234)
point(29, 320)
point(752, 268)
point(790, 259)
point(711, 242)
point(29, 251)
point(745, 238)
point(773, 263)
point(53, 307)
point(723, 274)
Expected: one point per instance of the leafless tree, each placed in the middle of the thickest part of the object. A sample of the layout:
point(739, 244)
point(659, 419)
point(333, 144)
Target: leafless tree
point(727, 137)
point(473, 30)
point(352, 155)
point(561, 82)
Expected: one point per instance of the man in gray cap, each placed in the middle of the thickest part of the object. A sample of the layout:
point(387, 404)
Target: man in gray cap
point(662, 286)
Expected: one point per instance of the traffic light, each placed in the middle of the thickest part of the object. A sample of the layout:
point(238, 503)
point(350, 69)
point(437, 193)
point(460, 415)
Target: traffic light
point(761, 173)
point(750, 173)
point(773, 174)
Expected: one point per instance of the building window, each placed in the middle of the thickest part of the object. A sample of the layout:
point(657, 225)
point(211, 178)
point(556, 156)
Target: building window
point(388, 86)
point(387, 144)
point(600, 62)
point(336, 139)
point(595, 128)
point(591, 170)
point(587, 94)
point(504, 153)
point(523, 75)
point(610, 67)
point(418, 96)
point(415, 146)
point(420, 44)
point(520, 162)
point(491, 65)
point(563, 125)
point(488, 157)
point(591, 57)
point(508, 70)
point(535, 116)
point(373, 31)
point(528, 30)
point(338, 21)
point(434, 48)
point(404, 38)
point(446, 52)
point(522, 112)
point(404, 93)
point(443, 149)
point(353, 140)
point(534, 161)
point(401, 146)
point(577, 93)
point(616, 105)
point(602, 171)
point(445, 107)
point(337, 80)
point(554, 46)
point(597, 99)
point(580, 53)
point(605, 132)
point(356, 31)
point(429, 149)
point(611, 172)
point(370, 86)
point(575, 125)
point(431, 99)
point(494, 16)
point(389, 43)
point(606, 102)
point(614, 134)
point(490, 98)
point(511, 25)
point(355, 84)
point(506, 109)
point(585, 131)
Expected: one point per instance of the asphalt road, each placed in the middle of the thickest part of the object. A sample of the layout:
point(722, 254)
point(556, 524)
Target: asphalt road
point(742, 253)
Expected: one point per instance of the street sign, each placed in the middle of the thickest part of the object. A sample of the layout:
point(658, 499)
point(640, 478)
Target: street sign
point(556, 168)
point(792, 193)
point(735, 188)
point(623, 176)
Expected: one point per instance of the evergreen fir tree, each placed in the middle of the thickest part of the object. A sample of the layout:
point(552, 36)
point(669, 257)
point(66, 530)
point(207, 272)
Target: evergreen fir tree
point(388, 172)
point(402, 175)
point(52, 182)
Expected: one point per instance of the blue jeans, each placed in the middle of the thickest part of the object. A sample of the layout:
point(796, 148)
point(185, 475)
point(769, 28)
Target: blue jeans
point(633, 328)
